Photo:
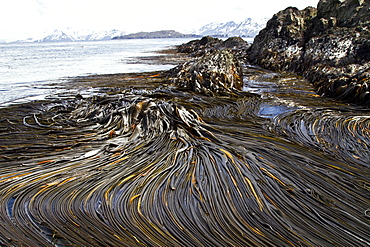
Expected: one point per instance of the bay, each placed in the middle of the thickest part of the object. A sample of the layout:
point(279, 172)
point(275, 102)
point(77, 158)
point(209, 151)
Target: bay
point(28, 69)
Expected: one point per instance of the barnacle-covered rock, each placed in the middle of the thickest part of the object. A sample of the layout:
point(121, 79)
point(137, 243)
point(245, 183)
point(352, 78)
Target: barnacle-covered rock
point(216, 73)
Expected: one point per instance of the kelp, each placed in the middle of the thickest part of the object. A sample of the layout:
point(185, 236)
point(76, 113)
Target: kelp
point(338, 133)
point(156, 166)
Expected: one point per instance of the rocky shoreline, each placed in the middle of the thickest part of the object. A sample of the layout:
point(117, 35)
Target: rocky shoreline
point(148, 161)
point(328, 45)
point(197, 155)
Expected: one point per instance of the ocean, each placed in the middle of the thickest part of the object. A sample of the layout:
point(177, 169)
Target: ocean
point(33, 70)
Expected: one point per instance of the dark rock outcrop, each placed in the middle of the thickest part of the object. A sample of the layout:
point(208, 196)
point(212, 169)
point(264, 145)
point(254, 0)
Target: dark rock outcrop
point(281, 44)
point(238, 46)
point(200, 47)
point(235, 43)
point(207, 44)
point(329, 45)
point(215, 73)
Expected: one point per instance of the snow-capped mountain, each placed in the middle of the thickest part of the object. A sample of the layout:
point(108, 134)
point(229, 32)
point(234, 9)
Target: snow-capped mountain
point(69, 34)
point(106, 35)
point(248, 28)
point(57, 35)
point(217, 28)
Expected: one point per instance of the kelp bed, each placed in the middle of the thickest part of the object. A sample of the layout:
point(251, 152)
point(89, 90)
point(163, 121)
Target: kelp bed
point(137, 162)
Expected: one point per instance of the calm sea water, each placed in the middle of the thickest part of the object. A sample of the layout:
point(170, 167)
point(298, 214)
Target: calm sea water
point(28, 69)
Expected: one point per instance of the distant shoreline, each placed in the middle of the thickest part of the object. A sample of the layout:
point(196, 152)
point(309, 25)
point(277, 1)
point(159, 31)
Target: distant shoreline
point(163, 34)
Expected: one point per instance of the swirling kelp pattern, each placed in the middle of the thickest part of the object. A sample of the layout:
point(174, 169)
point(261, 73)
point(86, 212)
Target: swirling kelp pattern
point(161, 167)
point(338, 133)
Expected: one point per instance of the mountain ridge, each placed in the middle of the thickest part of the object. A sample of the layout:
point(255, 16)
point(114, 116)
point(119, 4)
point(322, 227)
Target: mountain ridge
point(248, 28)
point(70, 35)
point(157, 35)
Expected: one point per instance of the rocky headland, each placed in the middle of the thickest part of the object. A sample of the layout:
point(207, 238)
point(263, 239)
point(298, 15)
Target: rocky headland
point(329, 45)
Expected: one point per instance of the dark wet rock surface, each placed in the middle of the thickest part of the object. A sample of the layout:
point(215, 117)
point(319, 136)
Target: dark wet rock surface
point(200, 47)
point(209, 44)
point(328, 45)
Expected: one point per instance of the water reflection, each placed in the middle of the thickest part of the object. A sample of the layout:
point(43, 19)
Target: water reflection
point(271, 111)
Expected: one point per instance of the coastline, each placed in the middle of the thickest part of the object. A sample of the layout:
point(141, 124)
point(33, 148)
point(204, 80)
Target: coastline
point(136, 147)
point(216, 151)
point(32, 70)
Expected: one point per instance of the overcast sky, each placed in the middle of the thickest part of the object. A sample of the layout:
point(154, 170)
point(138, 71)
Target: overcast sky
point(27, 18)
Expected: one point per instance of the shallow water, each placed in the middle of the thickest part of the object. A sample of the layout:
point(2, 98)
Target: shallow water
point(133, 161)
point(27, 69)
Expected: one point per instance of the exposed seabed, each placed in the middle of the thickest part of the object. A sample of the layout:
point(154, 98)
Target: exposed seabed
point(131, 160)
